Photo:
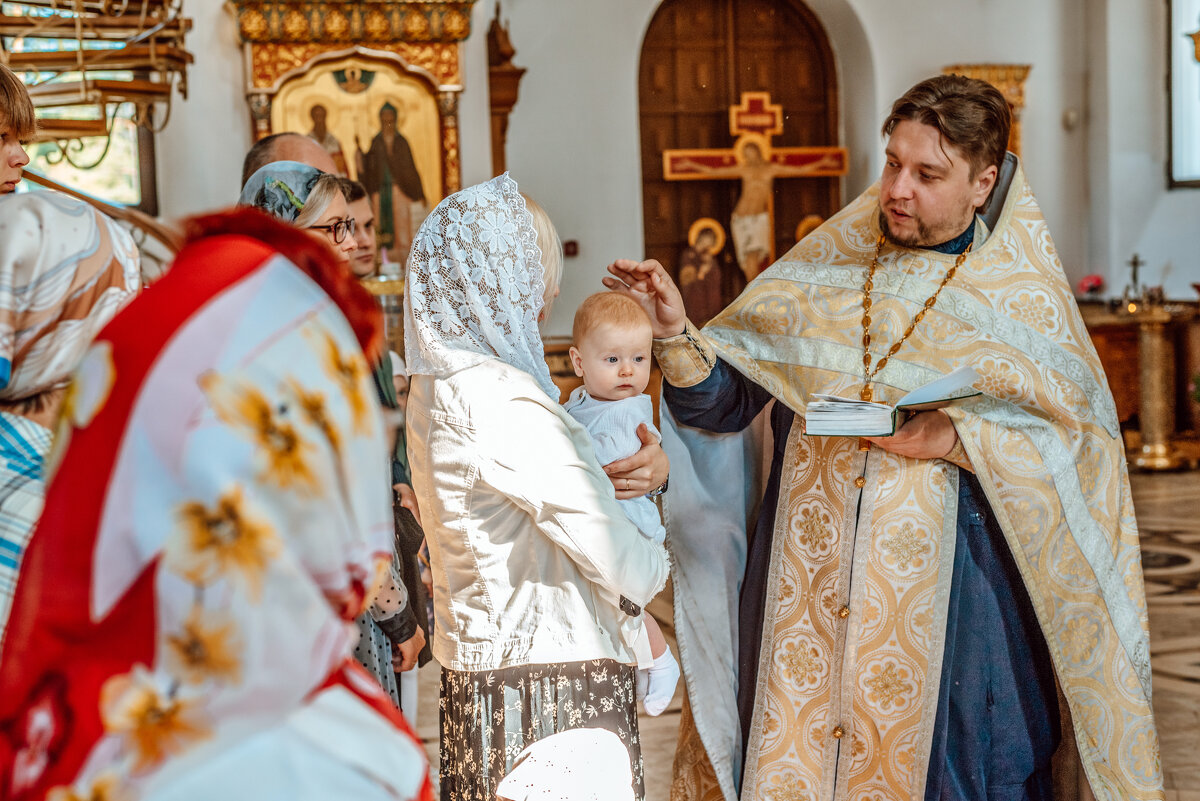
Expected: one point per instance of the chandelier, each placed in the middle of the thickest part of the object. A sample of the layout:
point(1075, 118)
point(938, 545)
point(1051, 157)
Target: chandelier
point(83, 60)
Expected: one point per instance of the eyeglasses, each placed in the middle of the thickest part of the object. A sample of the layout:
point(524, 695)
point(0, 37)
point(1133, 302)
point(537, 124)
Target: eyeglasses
point(339, 229)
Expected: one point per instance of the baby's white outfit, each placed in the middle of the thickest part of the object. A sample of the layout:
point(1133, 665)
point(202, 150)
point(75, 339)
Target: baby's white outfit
point(613, 428)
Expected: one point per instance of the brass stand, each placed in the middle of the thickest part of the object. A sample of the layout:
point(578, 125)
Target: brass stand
point(1154, 446)
point(389, 290)
point(1156, 358)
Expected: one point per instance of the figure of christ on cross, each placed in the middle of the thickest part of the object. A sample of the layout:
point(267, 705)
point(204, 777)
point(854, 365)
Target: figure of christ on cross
point(754, 162)
point(752, 220)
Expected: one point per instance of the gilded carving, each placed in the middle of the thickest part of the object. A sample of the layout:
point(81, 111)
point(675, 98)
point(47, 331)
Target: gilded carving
point(377, 24)
point(254, 24)
point(270, 61)
point(344, 21)
point(336, 24)
point(294, 25)
point(450, 158)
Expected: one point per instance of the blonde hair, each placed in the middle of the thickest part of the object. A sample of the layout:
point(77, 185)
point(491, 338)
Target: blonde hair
point(608, 307)
point(16, 109)
point(327, 187)
point(550, 245)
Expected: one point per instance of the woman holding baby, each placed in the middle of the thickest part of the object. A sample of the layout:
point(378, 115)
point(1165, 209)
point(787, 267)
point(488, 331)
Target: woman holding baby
point(538, 575)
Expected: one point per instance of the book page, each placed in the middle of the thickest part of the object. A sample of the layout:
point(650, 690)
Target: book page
point(942, 389)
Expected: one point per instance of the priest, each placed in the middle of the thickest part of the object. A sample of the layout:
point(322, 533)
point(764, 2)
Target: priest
point(886, 618)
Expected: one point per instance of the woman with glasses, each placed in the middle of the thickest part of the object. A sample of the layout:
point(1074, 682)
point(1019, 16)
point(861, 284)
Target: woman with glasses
point(307, 198)
point(314, 201)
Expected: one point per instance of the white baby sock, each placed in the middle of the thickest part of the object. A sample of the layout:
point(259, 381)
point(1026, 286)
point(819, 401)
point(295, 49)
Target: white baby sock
point(662, 676)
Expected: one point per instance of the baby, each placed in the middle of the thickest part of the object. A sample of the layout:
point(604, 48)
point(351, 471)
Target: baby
point(612, 354)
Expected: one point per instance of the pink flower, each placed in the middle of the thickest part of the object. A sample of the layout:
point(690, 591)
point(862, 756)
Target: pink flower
point(1090, 284)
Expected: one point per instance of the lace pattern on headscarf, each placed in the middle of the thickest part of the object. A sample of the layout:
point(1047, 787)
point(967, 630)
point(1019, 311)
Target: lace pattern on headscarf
point(475, 286)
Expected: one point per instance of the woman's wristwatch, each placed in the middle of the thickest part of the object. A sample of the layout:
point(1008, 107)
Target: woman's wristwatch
point(659, 490)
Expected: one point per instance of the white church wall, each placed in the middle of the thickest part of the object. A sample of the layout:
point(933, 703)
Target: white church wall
point(918, 38)
point(474, 111)
point(1135, 212)
point(200, 151)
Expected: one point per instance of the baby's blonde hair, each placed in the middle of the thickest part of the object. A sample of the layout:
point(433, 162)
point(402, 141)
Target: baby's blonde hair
point(607, 307)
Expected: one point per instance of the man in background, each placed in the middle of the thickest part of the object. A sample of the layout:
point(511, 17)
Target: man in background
point(286, 147)
point(362, 260)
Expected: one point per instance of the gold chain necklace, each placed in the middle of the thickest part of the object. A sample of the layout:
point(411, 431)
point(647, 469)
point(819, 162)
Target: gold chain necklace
point(869, 374)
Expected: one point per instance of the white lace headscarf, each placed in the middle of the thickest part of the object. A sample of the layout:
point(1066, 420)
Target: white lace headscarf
point(475, 286)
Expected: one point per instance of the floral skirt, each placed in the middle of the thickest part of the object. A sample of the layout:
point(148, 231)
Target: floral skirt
point(489, 717)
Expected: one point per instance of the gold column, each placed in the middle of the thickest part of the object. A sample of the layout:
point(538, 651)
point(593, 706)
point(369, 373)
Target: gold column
point(1156, 362)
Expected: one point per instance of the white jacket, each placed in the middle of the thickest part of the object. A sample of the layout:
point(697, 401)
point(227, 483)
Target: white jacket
point(529, 548)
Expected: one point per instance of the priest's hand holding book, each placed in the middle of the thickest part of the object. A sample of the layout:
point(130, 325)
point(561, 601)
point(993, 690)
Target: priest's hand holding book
point(925, 435)
point(915, 426)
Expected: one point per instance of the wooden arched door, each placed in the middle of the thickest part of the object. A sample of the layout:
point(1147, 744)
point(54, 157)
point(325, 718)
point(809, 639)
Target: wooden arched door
point(697, 59)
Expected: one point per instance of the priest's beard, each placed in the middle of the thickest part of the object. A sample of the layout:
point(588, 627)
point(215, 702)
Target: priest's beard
point(926, 235)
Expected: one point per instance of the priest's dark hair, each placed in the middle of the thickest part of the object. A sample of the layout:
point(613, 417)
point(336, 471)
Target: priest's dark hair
point(970, 114)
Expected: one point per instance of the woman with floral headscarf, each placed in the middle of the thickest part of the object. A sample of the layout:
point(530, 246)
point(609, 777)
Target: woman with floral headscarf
point(538, 575)
point(181, 630)
point(65, 270)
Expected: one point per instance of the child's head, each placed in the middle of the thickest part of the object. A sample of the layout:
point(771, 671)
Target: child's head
point(17, 126)
point(612, 346)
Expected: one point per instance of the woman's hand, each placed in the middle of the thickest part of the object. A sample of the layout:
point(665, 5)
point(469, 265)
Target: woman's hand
point(645, 470)
point(648, 284)
point(404, 655)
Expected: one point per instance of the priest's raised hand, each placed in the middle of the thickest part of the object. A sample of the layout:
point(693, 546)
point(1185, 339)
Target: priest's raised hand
point(648, 284)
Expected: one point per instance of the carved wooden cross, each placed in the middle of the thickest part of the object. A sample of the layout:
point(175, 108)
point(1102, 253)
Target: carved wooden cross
point(755, 121)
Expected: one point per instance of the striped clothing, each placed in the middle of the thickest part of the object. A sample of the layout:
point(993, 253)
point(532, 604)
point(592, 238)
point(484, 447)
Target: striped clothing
point(23, 448)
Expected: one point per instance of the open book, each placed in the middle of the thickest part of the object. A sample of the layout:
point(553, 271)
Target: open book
point(833, 416)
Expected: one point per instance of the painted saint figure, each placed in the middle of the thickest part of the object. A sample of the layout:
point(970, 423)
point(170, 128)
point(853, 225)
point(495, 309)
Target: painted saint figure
point(700, 274)
point(393, 183)
point(325, 138)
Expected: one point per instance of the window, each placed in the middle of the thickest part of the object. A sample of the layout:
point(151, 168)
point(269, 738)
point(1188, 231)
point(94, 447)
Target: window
point(118, 165)
point(1184, 50)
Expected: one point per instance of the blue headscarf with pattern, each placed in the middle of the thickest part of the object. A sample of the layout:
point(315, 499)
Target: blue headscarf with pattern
point(280, 188)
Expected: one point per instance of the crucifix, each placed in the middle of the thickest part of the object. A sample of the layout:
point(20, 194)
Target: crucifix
point(757, 164)
point(1135, 264)
point(1133, 290)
